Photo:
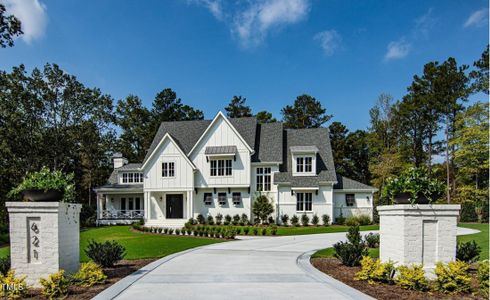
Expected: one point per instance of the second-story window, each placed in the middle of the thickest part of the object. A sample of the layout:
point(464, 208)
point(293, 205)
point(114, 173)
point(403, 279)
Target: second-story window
point(221, 167)
point(168, 169)
point(128, 177)
point(304, 164)
point(263, 179)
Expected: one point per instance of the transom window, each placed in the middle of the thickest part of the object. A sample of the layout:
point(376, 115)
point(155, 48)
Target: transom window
point(128, 177)
point(304, 201)
point(237, 198)
point(350, 199)
point(168, 169)
point(221, 167)
point(304, 164)
point(222, 198)
point(208, 198)
point(263, 179)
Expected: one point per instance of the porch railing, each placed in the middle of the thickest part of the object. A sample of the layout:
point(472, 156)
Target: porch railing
point(122, 214)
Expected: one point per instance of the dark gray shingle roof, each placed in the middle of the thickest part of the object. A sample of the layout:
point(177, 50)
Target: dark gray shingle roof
point(344, 183)
point(325, 169)
point(268, 143)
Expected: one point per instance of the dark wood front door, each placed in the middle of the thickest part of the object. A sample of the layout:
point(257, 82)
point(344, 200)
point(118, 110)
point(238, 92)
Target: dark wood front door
point(175, 207)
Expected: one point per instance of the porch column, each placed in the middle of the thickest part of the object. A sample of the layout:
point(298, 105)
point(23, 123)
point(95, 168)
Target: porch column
point(106, 202)
point(99, 212)
point(145, 205)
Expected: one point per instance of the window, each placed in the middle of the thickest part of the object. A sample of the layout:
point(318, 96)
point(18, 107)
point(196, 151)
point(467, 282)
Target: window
point(221, 167)
point(130, 204)
point(208, 198)
point(263, 179)
point(168, 169)
point(123, 204)
point(137, 203)
point(129, 177)
point(304, 164)
point(222, 198)
point(350, 199)
point(304, 201)
point(237, 198)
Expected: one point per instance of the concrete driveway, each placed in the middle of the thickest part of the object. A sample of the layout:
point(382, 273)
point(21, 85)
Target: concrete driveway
point(250, 268)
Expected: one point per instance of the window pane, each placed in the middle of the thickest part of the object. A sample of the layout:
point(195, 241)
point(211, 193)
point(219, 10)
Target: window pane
point(125, 177)
point(221, 167)
point(349, 199)
point(213, 168)
point(130, 177)
point(123, 203)
point(237, 198)
point(171, 169)
point(164, 170)
point(267, 170)
point(222, 198)
point(299, 201)
point(260, 170)
point(308, 201)
point(299, 164)
point(267, 182)
point(308, 164)
point(208, 198)
point(137, 203)
point(228, 167)
point(259, 182)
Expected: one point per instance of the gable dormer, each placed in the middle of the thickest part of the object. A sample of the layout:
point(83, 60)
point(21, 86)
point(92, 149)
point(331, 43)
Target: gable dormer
point(303, 160)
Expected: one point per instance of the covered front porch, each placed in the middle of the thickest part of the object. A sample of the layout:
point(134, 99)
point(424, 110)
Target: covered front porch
point(168, 208)
point(121, 206)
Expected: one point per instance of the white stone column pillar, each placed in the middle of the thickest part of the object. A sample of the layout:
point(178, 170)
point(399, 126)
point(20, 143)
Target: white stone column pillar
point(418, 234)
point(99, 209)
point(44, 237)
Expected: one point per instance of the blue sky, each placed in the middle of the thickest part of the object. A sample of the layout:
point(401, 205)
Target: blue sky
point(344, 53)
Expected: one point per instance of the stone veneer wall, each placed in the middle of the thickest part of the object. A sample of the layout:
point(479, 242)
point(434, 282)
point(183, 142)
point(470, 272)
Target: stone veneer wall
point(418, 234)
point(44, 237)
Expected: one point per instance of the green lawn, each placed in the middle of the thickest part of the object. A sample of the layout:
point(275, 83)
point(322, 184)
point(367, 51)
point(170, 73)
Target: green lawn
point(320, 229)
point(481, 238)
point(138, 245)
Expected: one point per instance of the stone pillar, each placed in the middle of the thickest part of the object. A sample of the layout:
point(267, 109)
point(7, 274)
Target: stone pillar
point(418, 234)
point(44, 237)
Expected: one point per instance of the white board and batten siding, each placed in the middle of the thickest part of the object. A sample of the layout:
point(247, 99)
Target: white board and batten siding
point(221, 134)
point(183, 178)
point(362, 206)
point(228, 209)
point(321, 202)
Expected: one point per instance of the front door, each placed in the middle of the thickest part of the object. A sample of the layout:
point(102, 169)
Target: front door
point(175, 206)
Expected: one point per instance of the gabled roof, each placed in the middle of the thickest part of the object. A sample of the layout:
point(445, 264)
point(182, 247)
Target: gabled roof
point(172, 140)
point(325, 168)
point(344, 183)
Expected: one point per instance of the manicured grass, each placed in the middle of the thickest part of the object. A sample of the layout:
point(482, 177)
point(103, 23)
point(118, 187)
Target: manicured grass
point(481, 238)
point(320, 229)
point(330, 252)
point(138, 245)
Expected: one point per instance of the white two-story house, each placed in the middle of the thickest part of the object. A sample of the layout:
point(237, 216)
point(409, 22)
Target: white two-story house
point(219, 166)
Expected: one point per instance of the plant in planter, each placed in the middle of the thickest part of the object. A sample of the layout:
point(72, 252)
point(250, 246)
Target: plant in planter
point(46, 185)
point(413, 186)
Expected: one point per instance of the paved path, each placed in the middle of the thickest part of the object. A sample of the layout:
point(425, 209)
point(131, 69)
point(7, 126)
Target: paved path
point(251, 268)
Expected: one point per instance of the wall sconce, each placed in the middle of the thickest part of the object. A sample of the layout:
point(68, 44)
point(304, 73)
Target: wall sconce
point(161, 198)
point(367, 197)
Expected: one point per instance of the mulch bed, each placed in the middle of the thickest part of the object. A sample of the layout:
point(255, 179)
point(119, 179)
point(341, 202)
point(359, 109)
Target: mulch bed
point(333, 267)
point(118, 272)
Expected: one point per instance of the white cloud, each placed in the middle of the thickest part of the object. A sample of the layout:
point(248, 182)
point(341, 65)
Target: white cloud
point(424, 24)
point(478, 18)
point(32, 14)
point(397, 49)
point(250, 22)
point(329, 41)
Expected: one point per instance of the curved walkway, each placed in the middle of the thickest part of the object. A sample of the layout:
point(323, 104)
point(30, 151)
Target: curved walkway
point(251, 268)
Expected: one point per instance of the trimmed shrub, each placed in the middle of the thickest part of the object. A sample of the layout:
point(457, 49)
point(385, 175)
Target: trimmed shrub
point(255, 230)
point(219, 219)
point(227, 220)
point(352, 221)
point(285, 219)
point(340, 220)
point(315, 220)
point(264, 231)
point(200, 219)
point(4, 265)
point(482, 276)
point(262, 208)
point(274, 230)
point(165, 230)
point(468, 212)
point(246, 230)
point(270, 220)
point(295, 220)
point(55, 286)
point(372, 240)
point(9, 279)
point(373, 270)
point(236, 220)
point(453, 277)
point(364, 219)
point(468, 251)
point(189, 231)
point(210, 220)
point(105, 254)
point(350, 253)
point(170, 231)
point(326, 220)
point(191, 222)
point(412, 278)
point(177, 231)
point(305, 220)
point(90, 274)
point(244, 220)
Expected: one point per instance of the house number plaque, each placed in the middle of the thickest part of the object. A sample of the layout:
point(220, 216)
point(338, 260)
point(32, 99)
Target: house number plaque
point(34, 240)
